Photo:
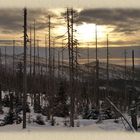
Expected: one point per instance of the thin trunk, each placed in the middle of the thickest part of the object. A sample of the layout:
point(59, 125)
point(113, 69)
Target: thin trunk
point(97, 70)
point(62, 58)
point(13, 57)
point(46, 53)
point(72, 98)
point(58, 64)
point(25, 78)
point(107, 68)
point(0, 82)
point(5, 58)
point(39, 77)
point(30, 50)
point(34, 68)
point(34, 48)
point(38, 57)
point(125, 80)
point(50, 70)
point(14, 88)
point(134, 96)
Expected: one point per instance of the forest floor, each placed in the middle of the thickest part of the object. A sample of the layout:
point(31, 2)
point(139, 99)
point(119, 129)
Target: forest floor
point(80, 124)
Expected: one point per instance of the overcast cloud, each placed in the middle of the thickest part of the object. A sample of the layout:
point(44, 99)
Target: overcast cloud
point(124, 20)
point(12, 19)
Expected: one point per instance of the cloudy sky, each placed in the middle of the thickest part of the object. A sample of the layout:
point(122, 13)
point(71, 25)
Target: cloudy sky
point(118, 18)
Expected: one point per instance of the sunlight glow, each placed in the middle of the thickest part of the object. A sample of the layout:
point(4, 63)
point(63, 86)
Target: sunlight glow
point(86, 32)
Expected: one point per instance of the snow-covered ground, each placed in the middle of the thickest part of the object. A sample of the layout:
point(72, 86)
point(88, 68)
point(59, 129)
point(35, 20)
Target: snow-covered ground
point(85, 125)
point(80, 125)
point(87, 130)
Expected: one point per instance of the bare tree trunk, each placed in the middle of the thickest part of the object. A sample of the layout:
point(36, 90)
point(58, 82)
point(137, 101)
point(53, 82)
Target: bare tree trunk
point(0, 100)
point(0, 83)
point(50, 71)
point(34, 68)
point(107, 69)
point(125, 82)
point(134, 98)
point(11, 102)
point(71, 65)
point(30, 51)
point(25, 78)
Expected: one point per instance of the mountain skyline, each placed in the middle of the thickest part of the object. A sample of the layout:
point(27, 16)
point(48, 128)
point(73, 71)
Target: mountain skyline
point(116, 54)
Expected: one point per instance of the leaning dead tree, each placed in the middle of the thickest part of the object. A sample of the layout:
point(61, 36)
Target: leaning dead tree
point(116, 109)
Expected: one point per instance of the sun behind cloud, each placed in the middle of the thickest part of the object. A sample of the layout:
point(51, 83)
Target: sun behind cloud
point(86, 32)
